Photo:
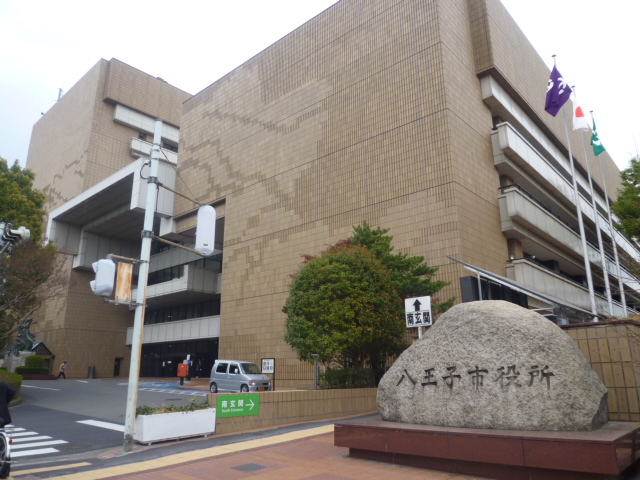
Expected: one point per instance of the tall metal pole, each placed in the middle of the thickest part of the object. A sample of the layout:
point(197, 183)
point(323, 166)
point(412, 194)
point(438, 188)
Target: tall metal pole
point(143, 274)
point(623, 300)
point(583, 238)
point(596, 216)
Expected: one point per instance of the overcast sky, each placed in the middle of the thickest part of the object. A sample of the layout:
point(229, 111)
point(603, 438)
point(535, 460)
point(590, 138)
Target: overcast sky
point(50, 45)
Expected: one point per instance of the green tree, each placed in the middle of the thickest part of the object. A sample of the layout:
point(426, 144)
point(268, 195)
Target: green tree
point(30, 274)
point(344, 306)
point(20, 203)
point(413, 277)
point(347, 304)
point(627, 206)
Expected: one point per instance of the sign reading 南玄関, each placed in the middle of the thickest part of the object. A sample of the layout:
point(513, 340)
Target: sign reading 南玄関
point(418, 312)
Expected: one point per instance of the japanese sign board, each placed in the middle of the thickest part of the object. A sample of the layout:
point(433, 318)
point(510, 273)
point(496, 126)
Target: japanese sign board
point(238, 405)
point(268, 365)
point(418, 312)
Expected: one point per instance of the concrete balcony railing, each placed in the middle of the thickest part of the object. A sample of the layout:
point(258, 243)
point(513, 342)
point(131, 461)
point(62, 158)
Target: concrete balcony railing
point(518, 212)
point(552, 284)
point(511, 147)
point(193, 279)
point(140, 148)
point(192, 329)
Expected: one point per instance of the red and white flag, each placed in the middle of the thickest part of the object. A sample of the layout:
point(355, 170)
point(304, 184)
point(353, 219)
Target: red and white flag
point(579, 120)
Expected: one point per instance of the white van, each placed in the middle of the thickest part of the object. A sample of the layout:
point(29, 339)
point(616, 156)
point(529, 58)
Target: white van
point(237, 376)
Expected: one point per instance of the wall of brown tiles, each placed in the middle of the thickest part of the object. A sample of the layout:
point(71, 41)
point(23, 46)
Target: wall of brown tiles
point(60, 140)
point(78, 327)
point(613, 350)
point(75, 145)
point(287, 407)
point(369, 112)
point(143, 92)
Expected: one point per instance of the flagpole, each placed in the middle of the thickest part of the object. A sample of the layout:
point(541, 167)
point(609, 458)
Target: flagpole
point(623, 299)
point(558, 93)
point(583, 239)
point(596, 217)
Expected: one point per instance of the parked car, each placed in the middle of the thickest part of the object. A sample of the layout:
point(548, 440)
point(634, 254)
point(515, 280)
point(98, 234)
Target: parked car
point(237, 376)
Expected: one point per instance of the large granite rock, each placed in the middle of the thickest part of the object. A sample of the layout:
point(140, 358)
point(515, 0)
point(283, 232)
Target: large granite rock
point(493, 364)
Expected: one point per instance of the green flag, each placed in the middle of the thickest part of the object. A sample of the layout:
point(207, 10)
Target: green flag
point(598, 148)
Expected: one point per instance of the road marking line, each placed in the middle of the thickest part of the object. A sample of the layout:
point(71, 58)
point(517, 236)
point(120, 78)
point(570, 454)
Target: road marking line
point(41, 388)
point(29, 439)
point(38, 444)
point(50, 469)
point(26, 453)
point(97, 423)
point(198, 393)
point(179, 458)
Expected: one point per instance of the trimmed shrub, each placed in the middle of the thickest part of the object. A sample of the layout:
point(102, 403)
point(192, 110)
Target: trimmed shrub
point(347, 378)
point(34, 361)
point(32, 371)
point(12, 379)
point(193, 405)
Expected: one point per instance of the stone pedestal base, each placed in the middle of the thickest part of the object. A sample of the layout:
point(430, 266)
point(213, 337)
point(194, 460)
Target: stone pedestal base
point(497, 454)
point(11, 361)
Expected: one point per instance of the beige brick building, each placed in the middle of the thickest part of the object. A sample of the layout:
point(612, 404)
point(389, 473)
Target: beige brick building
point(398, 113)
point(425, 117)
point(85, 152)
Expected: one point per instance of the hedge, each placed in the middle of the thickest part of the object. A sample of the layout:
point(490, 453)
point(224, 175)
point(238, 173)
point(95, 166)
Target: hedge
point(12, 379)
point(34, 361)
point(32, 370)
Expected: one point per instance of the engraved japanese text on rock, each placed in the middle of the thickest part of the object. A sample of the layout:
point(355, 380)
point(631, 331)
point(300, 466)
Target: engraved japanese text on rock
point(493, 364)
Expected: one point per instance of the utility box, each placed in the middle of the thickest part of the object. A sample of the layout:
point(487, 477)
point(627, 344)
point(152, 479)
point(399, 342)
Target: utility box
point(183, 370)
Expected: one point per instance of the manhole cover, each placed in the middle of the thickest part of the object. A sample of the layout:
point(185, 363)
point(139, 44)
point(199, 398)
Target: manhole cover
point(249, 467)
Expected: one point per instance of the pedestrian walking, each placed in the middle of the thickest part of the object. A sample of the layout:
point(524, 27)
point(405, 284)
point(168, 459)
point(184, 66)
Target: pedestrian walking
point(199, 368)
point(63, 366)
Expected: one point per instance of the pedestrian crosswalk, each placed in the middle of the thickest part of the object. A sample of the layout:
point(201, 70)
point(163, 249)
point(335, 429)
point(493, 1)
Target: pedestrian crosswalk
point(191, 393)
point(27, 443)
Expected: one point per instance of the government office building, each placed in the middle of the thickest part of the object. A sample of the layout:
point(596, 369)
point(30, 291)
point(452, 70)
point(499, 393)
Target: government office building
point(424, 117)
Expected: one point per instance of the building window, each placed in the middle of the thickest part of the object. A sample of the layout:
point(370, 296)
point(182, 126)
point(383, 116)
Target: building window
point(165, 275)
point(170, 147)
point(183, 312)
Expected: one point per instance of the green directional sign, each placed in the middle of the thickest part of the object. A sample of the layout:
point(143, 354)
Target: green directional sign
point(238, 405)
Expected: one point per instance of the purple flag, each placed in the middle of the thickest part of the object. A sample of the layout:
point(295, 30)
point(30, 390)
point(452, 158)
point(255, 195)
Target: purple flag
point(558, 92)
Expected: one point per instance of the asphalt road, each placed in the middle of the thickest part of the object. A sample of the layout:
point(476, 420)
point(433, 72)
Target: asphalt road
point(101, 399)
point(57, 418)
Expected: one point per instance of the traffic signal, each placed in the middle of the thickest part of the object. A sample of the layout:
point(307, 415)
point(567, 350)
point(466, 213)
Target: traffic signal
point(206, 230)
point(105, 277)
point(21, 234)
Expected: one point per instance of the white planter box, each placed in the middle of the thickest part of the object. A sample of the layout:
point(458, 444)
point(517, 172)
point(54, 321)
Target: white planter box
point(171, 426)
